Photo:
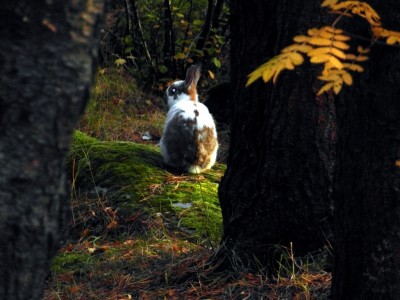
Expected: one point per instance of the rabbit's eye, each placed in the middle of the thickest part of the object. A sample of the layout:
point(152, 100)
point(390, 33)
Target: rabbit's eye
point(173, 90)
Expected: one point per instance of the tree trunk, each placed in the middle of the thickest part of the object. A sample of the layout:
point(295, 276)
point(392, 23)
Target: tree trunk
point(276, 189)
point(47, 50)
point(169, 40)
point(367, 189)
point(136, 31)
point(206, 29)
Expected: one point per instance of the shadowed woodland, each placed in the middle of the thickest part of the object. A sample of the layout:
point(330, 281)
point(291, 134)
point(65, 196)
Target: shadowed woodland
point(303, 201)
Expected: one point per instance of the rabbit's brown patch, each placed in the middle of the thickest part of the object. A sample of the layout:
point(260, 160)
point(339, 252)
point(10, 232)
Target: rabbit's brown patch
point(192, 92)
point(207, 142)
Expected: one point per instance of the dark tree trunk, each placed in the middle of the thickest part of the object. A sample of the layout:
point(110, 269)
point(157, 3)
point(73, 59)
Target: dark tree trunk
point(206, 29)
point(169, 40)
point(46, 66)
point(136, 32)
point(276, 189)
point(367, 188)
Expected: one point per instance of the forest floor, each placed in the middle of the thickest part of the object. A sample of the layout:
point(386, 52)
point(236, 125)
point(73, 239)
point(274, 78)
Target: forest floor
point(140, 231)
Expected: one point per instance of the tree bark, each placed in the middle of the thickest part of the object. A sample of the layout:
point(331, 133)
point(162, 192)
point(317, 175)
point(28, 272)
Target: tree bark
point(206, 29)
point(367, 189)
point(276, 189)
point(47, 50)
point(169, 40)
point(136, 31)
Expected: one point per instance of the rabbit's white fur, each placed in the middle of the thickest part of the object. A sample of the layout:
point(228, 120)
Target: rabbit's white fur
point(189, 141)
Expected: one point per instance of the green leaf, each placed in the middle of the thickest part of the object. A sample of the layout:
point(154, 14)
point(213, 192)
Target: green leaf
point(128, 40)
point(198, 22)
point(216, 62)
point(129, 49)
point(163, 69)
point(120, 62)
point(180, 56)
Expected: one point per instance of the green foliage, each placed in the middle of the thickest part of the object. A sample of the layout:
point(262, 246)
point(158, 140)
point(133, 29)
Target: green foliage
point(168, 62)
point(119, 110)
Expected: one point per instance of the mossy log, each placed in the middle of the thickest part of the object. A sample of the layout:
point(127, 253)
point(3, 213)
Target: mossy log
point(133, 177)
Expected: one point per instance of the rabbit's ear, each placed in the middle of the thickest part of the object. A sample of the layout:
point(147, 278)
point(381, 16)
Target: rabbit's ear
point(192, 77)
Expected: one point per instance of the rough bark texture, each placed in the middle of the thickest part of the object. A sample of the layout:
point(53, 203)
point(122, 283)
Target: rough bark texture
point(46, 67)
point(367, 185)
point(276, 189)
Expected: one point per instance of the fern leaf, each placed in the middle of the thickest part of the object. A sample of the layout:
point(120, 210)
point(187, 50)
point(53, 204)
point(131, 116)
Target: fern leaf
point(328, 3)
point(337, 88)
point(332, 29)
point(324, 50)
point(256, 74)
point(347, 78)
point(318, 41)
point(325, 34)
point(301, 38)
point(326, 88)
point(267, 75)
point(341, 38)
point(391, 40)
point(361, 9)
point(319, 59)
point(350, 56)
point(361, 58)
point(340, 45)
point(320, 50)
point(304, 48)
point(313, 31)
point(337, 63)
point(296, 58)
point(330, 77)
point(354, 67)
point(362, 50)
point(288, 65)
point(278, 70)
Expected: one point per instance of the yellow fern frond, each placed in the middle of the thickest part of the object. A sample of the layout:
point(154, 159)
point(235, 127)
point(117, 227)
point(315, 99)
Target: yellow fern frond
point(319, 59)
point(301, 38)
point(392, 37)
point(337, 87)
point(332, 29)
point(341, 38)
point(347, 78)
point(296, 58)
point(325, 88)
point(330, 77)
point(327, 50)
point(319, 41)
point(350, 56)
point(329, 3)
point(340, 45)
point(267, 75)
point(272, 68)
point(353, 67)
point(325, 34)
point(337, 63)
point(362, 50)
point(361, 58)
point(303, 48)
point(362, 9)
point(391, 40)
point(313, 31)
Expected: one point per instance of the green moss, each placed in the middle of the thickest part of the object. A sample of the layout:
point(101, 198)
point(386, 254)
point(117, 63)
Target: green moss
point(72, 261)
point(136, 179)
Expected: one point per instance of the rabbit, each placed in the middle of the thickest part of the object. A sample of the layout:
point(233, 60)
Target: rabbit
point(189, 141)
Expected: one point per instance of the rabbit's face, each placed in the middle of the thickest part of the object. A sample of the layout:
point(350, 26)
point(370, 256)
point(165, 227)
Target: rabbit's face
point(184, 90)
point(176, 92)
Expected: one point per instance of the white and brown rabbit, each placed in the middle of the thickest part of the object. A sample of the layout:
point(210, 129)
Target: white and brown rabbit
point(189, 141)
